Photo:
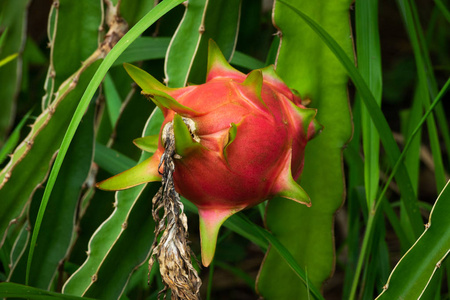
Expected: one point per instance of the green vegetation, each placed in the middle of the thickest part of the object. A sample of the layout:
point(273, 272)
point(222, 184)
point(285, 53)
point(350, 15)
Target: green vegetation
point(376, 174)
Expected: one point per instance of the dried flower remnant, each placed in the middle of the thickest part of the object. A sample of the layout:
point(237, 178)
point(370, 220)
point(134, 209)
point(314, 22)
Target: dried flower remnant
point(172, 252)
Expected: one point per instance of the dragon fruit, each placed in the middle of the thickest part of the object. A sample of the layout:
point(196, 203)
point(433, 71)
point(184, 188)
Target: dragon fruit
point(239, 140)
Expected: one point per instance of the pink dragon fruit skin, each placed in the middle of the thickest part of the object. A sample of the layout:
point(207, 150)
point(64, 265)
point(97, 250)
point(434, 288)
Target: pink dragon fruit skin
point(239, 140)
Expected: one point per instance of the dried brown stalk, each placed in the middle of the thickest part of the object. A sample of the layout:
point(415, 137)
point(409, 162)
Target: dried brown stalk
point(172, 252)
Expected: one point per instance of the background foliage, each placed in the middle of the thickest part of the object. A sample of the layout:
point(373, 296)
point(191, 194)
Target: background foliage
point(62, 87)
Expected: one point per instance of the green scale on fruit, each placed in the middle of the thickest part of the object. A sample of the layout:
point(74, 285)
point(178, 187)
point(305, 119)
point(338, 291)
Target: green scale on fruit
point(239, 140)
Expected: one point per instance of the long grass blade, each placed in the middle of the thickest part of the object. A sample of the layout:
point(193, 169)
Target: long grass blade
point(369, 66)
point(443, 9)
point(376, 210)
point(436, 101)
point(427, 83)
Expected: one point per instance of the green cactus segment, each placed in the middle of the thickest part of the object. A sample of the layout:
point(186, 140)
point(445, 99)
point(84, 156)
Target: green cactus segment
point(306, 64)
point(414, 271)
point(147, 143)
point(218, 66)
point(144, 80)
point(210, 222)
point(231, 136)
point(184, 143)
point(165, 101)
point(144, 172)
point(254, 83)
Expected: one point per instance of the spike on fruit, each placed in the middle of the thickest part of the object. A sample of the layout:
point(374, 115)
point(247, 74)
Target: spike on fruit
point(314, 129)
point(272, 78)
point(252, 87)
point(144, 172)
point(210, 222)
point(144, 80)
point(166, 102)
point(218, 66)
point(287, 187)
point(307, 116)
point(293, 191)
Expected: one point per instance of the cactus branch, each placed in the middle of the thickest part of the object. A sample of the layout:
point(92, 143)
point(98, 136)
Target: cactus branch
point(50, 79)
point(117, 28)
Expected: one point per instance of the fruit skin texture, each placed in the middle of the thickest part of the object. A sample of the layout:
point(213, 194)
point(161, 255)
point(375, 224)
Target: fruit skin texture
point(239, 140)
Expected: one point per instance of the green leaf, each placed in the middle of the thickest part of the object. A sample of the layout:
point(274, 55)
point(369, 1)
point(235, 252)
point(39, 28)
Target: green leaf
point(73, 32)
point(288, 258)
point(148, 48)
point(144, 80)
point(113, 101)
point(58, 226)
point(427, 87)
point(13, 290)
point(13, 139)
point(369, 66)
point(18, 250)
point(393, 153)
point(110, 160)
point(36, 153)
point(133, 11)
point(130, 36)
point(109, 248)
point(415, 269)
point(443, 9)
point(307, 232)
point(144, 48)
point(129, 251)
point(412, 157)
point(203, 20)
point(367, 241)
point(245, 61)
point(76, 35)
point(13, 16)
point(3, 38)
point(7, 59)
